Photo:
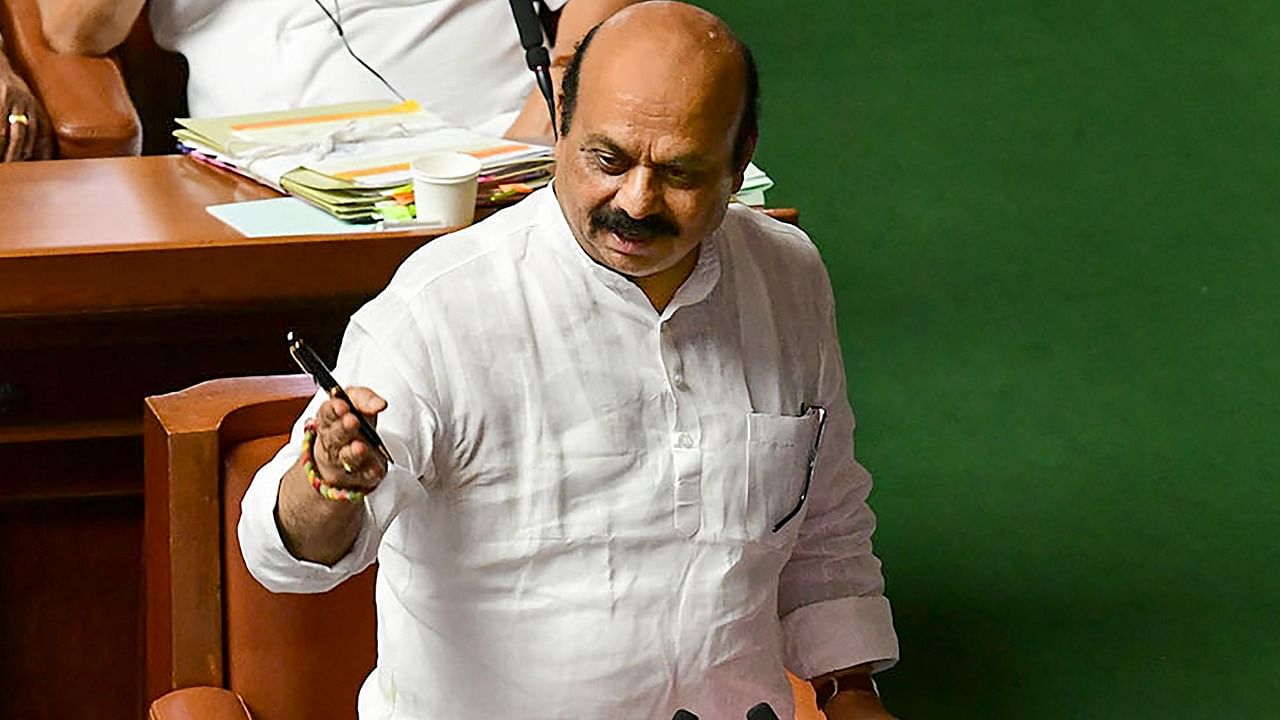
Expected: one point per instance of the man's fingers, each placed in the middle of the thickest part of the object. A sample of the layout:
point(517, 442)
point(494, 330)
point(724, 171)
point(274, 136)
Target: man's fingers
point(333, 437)
point(357, 467)
point(341, 454)
point(368, 402)
point(336, 412)
point(360, 463)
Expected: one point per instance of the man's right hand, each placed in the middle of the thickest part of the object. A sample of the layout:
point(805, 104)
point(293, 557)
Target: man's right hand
point(314, 527)
point(342, 457)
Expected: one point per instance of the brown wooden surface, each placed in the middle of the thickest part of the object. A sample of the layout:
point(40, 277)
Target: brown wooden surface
point(70, 584)
point(131, 233)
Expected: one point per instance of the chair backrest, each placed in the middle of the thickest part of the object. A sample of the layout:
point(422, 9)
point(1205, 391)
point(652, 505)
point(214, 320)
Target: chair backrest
point(208, 621)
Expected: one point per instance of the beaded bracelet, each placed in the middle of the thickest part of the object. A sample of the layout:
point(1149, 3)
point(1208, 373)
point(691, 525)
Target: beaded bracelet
point(327, 491)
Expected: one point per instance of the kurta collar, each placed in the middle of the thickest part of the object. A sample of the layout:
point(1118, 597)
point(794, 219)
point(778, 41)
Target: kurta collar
point(555, 228)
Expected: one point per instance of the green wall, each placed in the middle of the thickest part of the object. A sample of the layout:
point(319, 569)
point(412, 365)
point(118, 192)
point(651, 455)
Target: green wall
point(1052, 228)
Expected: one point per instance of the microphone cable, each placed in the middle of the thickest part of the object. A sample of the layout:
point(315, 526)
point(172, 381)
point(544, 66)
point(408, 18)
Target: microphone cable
point(337, 24)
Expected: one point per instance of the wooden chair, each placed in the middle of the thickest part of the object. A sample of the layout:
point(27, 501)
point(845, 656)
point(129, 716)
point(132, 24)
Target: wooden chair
point(219, 646)
point(208, 622)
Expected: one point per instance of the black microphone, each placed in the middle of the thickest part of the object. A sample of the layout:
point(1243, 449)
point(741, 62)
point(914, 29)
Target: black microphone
point(762, 712)
point(536, 56)
point(683, 714)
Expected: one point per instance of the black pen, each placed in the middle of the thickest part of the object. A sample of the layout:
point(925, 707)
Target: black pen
point(315, 367)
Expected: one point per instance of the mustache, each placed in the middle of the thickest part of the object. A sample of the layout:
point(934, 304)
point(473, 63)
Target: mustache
point(618, 221)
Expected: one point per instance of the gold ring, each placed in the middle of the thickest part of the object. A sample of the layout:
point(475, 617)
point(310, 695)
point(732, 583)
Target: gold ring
point(346, 467)
point(19, 119)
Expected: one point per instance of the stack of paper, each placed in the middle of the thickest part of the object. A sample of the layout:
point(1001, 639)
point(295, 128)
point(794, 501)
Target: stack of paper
point(754, 183)
point(352, 160)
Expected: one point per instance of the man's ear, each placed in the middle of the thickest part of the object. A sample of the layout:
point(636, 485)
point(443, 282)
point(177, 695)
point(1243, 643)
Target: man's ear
point(739, 172)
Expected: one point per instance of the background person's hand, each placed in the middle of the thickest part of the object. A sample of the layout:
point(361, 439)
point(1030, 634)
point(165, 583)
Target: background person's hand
point(24, 129)
point(533, 124)
point(342, 457)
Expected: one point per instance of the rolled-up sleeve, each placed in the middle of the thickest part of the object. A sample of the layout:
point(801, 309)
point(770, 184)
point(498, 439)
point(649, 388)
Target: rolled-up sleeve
point(831, 596)
point(407, 431)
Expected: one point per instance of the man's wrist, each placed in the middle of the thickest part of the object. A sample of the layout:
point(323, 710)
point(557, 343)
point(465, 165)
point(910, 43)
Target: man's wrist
point(855, 679)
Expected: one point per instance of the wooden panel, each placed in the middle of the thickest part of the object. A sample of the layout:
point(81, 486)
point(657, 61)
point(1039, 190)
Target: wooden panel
point(94, 371)
point(70, 580)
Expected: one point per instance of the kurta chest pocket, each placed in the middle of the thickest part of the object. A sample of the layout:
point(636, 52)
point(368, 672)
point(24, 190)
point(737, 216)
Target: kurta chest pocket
point(779, 450)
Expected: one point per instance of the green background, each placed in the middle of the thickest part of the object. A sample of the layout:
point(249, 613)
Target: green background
point(1052, 230)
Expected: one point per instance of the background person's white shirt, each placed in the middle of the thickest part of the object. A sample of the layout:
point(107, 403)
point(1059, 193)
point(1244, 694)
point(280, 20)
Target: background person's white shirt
point(579, 520)
point(460, 58)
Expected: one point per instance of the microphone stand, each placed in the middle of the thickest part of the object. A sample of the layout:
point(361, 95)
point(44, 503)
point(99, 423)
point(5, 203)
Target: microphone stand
point(535, 53)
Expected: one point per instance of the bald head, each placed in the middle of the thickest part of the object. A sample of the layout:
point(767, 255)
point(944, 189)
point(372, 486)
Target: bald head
point(668, 52)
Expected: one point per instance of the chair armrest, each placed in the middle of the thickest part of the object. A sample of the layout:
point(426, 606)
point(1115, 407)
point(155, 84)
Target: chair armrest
point(199, 703)
point(85, 97)
point(790, 216)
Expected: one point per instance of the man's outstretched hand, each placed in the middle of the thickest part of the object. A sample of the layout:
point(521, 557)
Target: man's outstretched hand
point(343, 458)
point(317, 528)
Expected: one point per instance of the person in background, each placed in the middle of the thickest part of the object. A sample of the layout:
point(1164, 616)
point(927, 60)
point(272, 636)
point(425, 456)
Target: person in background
point(623, 479)
point(460, 58)
point(24, 129)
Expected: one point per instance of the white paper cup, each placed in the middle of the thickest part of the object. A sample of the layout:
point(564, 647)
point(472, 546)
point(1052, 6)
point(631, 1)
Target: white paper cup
point(444, 188)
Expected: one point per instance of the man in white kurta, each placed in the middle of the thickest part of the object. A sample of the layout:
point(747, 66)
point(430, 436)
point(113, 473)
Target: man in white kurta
point(589, 468)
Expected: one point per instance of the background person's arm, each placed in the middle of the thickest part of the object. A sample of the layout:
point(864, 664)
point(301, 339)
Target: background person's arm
point(88, 27)
point(577, 17)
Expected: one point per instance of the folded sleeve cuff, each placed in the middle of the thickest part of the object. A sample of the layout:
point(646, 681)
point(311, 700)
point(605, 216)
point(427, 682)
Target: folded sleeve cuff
point(837, 634)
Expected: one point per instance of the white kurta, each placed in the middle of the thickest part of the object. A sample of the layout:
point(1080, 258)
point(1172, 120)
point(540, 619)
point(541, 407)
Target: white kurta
point(460, 58)
point(578, 523)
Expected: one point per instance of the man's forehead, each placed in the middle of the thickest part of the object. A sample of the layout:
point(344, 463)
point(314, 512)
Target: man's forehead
point(688, 107)
point(671, 151)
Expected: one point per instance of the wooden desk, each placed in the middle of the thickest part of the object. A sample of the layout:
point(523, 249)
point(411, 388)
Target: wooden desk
point(115, 284)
